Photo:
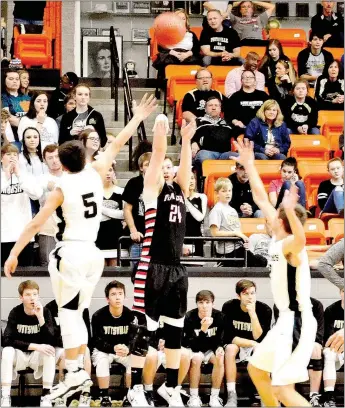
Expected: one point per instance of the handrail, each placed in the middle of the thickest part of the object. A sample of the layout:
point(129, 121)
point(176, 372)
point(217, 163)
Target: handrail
point(114, 73)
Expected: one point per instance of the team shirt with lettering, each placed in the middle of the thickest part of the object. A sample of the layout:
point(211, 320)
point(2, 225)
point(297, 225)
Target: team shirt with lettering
point(238, 323)
point(23, 329)
point(226, 40)
point(334, 319)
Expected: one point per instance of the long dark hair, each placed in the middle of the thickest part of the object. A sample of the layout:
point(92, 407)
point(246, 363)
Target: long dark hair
point(32, 111)
point(340, 66)
point(83, 136)
point(26, 153)
point(291, 161)
point(267, 58)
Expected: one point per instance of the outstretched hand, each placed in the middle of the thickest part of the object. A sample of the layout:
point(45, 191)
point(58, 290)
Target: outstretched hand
point(290, 198)
point(10, 265)
point(245, 150)
point(145, 108)
point(188, 131)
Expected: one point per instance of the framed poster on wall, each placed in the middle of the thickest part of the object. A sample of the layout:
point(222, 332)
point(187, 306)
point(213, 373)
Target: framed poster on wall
point(121, 7)
point(158, 7)
point(141, 7)
point(96, 56)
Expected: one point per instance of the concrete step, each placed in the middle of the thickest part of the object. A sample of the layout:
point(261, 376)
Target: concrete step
point(104, 92)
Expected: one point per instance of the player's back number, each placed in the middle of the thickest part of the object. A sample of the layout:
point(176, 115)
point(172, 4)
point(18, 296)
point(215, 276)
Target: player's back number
point(90, 205)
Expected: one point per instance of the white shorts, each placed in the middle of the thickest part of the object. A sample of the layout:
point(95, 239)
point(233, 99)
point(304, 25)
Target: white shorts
point(59, 353)
point(112, 358)
point(75, 268)
point(204, 356)
point(28, 359)
point(275, 355)
point(244, 354)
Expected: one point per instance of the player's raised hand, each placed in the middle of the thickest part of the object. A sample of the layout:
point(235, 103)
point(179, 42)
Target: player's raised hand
point(161, 126)
point(290, 198)
point(188, 131)
point(10, 265)
point(148, 104)
point(245, 150)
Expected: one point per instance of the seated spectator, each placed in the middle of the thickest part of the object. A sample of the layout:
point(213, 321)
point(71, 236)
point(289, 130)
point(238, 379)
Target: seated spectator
point(248, 26)
point(14, 101)
point(247, 322)
point(31, 159)
point(203, 337)
point(24, 78)
point(242, 199)
point(37, 118)
point(335, 168)
point(111, 328)
point(220, 45)
point(134, 209)
point(28, 343)
point(244, 104)
point(212, 139)
point(274, 52)
point(84, 360)
point(5, 115)
point(187, 51)
point(329, 89)
point(326, 266)
point(333, 361)
point(300, 110)
point(196, 207)
point(69, 104)
point(281, 83)
point(269, 133)
point(57, 102)
point(330, 24)
point(83, 115)
point(111, 227)
point(233, 81)
point(17, 187)
point(91, 141)
point(224, 222)
point(315, 363)
point(289, 176)
point(258, 245)
point(48, 181)
point(194, 102)
point(312, 60)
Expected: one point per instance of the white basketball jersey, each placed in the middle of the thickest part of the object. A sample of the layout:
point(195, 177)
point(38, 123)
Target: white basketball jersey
point(81, 211)
point(290, 285)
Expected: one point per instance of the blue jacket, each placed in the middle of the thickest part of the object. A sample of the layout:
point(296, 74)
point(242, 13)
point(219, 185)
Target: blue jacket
point(257, 132)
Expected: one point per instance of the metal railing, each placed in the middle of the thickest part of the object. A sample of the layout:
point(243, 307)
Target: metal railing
point(114, 72)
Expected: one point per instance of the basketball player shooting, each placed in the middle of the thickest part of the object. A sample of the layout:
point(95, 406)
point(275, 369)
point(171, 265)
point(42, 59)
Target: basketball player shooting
point(76, 264)
point(281, 359)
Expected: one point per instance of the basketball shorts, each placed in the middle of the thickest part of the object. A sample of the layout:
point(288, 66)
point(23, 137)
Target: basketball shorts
point(286, 350)
point(112, 358)
point(204, 356)
point(161, 291)
point(28, 359)
point(75, 268)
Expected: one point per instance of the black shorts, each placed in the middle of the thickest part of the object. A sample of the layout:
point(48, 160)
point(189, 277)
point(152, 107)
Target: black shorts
point(166, 291)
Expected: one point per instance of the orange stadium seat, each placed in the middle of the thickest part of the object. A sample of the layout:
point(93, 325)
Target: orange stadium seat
point(336, 52)
point(327, 217)
point(289, 37)
point(219, 74)
point(197, 31)
point(309, 147)
point(336, 228)
point(246, 48)
point(312, 174)
point(251, 226)
point(332, 125)
point(312, 202)
point(315, 232)
point(153, 45)
point(179, 71)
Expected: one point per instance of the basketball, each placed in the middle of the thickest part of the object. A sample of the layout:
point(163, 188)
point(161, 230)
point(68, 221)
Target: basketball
point(169, 29)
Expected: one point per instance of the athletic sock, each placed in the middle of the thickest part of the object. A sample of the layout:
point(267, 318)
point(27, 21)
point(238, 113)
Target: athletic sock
point(71, 365)
point(5, 390)
point(194, 392)
point(148, 387)
point(215, 392)
point(172, 377)
point(329, 389)
point(231, 386)
point(136, 374)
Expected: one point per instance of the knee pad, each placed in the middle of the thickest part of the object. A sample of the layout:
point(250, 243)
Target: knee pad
point(329, 354)
point(173, 336)
point(70, 328)
point(102, 367)
point(139, 340)
point(315, 365)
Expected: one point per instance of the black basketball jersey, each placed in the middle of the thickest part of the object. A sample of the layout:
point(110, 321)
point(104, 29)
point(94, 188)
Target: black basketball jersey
point(165, 226)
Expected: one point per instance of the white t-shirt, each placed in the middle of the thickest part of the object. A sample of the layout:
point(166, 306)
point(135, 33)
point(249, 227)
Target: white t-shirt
point(259, 244)
point(49, 132)
point(36, 168)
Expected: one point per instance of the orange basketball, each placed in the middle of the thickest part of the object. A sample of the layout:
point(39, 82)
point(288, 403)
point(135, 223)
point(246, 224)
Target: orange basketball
point(169, 29)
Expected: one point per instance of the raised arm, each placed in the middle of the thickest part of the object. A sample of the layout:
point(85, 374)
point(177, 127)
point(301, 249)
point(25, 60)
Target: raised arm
point(269, 7)
point(185, 168)
point(141, 112)
point(246, 158)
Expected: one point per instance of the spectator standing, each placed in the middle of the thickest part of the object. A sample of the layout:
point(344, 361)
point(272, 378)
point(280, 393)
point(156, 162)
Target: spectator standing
point(48, 181)
point(69, 104)
point(111, 227)
point(244, 104)
point(329, 89)
point(24, 78)
point(187, 51)
point(17, 187)
point(31, 159)
point(274, 52)
point(289, 176)
point(300, 110)
point(312, 60)
point(57, 102)
point(281, 83)
point(242, 199)
point(269, 133)
point(28, 342)
point(194, 102)
point(248, 26)
point(330, 24)
point(83, 115)
point(134, 210)
point(91, 141)
point(37, 118)
point(247, 322)
point(233, 81)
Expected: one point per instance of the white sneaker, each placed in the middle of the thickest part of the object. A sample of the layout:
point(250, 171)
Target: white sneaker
point(46, 401)
point(59, 402)
point(73, 382)
point(216, 401)
point(171, 395)
point(194, 401)
point(84, 400)
point(136, 396)
point(5, 402)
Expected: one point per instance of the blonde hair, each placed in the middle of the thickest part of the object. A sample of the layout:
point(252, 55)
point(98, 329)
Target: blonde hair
point(291, 71)
point(268, 105)
point(183, 11)
point(222, 182)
